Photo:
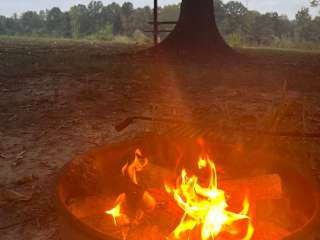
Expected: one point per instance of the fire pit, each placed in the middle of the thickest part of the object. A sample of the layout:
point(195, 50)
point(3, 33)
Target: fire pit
point(160, 187)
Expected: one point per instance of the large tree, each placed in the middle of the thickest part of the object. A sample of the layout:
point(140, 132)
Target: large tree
point(196, 32)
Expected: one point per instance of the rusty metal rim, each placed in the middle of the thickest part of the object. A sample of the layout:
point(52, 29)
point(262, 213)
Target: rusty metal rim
point(300, 233)
point(64, 212)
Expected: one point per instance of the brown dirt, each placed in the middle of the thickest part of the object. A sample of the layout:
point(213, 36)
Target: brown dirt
point(57, 102)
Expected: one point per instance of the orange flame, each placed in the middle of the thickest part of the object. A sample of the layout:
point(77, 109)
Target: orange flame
point(119, 218)
point(148, 201)
point(139, 163)
point(131, 170)
point(206, 207)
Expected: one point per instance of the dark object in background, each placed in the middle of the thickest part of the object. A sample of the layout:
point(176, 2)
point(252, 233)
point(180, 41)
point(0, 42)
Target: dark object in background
point(196, 33)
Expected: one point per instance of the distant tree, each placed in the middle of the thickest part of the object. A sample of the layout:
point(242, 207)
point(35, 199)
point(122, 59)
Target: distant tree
point(67, 31)
point(138, 20)
point(112, 14)
point(95, 15)
point(263, 29)
point(79, 21)
point(316, 29)
point(169, 12)
point(58, 23)
point(43, 15)
point(10, 26)
point(248, 26)
point(315, 3)
point(31, 23)
point(3, 29)
point(235, 12)
point(234, 8)
point(117, 26)
point(303, 24)
point(127, 9)
point(104, 34)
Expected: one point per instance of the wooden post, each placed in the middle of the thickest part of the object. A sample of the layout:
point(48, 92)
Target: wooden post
point(155, 22)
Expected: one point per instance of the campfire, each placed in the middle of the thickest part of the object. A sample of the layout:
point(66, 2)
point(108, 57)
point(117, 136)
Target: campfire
point(160, 188)
point(205, 208)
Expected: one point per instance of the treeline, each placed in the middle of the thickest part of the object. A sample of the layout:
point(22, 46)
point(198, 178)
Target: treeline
point(80, 21)
point(237, 24)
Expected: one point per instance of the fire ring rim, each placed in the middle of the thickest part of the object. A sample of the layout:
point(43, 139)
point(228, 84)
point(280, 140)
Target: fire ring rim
point(90, 233)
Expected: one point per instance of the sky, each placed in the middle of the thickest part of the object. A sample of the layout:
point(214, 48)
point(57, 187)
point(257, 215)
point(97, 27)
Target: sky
point(288, 7)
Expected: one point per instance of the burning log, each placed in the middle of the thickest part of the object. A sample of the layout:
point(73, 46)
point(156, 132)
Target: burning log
point(264, 187)
point(259, 188)
point(267, 231)
point(103, 223)
point(167, 213)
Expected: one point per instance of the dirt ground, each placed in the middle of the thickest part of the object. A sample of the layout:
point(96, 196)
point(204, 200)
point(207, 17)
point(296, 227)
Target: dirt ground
point(58, 100)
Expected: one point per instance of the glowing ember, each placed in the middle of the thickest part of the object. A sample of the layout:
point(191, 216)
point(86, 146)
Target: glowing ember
point(206, 208)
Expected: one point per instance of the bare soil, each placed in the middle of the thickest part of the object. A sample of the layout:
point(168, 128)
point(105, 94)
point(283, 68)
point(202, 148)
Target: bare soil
point(58, 100)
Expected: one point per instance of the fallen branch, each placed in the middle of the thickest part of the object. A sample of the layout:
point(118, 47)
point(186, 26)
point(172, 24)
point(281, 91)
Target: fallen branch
point(124, 124)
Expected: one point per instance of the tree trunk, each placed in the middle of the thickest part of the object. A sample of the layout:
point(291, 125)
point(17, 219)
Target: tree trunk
point(196, 32)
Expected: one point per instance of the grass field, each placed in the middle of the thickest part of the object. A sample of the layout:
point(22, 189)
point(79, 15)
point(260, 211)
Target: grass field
point(60, 98)
point(34, 56)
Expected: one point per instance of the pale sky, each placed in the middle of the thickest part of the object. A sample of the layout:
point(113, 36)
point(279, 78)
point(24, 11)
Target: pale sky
point(288, 7)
